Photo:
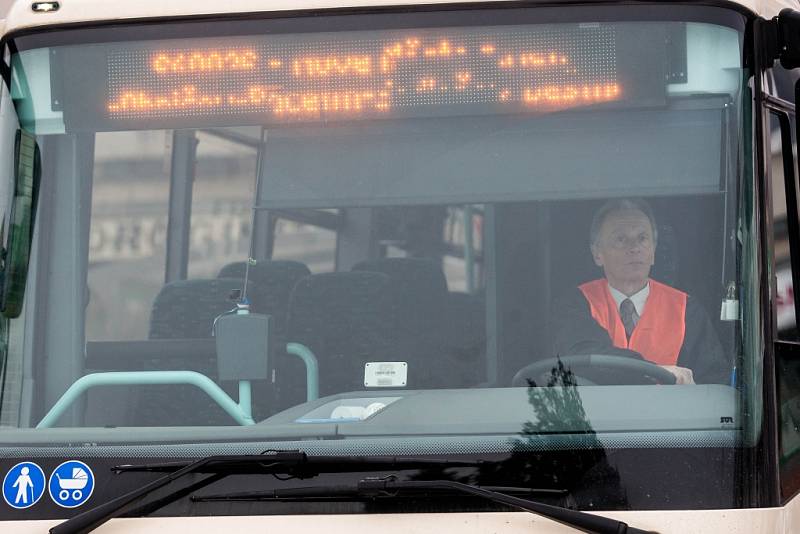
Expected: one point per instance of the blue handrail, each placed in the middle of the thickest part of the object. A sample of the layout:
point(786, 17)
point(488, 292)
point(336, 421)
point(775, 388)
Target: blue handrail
point(241, 411)
point(312, 368)
point(137, 378)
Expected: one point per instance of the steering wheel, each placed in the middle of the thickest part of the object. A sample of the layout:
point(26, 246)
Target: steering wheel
point(594, 369)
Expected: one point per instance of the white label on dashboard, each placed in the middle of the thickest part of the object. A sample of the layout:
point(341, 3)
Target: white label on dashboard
point(385, 374)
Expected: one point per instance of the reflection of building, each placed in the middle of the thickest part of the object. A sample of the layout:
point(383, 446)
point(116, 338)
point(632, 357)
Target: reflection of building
point(129, 228)
point(785, 293)
point(127, 243)
point(784, 82)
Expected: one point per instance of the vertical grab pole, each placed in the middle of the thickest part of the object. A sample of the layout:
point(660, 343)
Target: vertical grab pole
point(246, 398)
point(312, 368)
point(181, 183)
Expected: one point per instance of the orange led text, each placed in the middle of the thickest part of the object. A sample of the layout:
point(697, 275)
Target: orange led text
point(207, 61)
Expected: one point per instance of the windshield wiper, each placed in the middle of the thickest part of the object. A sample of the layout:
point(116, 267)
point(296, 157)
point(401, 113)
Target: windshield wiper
point(295, 464)
point(391, 487)
point(350, 492)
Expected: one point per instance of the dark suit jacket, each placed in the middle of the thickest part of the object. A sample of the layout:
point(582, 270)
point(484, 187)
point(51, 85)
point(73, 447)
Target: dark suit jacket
point(576, 332)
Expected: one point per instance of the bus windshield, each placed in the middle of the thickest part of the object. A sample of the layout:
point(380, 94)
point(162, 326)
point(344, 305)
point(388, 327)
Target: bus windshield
point(523, 235)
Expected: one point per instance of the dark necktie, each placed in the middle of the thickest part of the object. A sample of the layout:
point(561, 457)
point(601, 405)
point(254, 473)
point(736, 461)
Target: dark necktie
point(627, 312)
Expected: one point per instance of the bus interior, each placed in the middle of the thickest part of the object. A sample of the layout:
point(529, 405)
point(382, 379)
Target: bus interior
point(437, 242)
point(462, 292)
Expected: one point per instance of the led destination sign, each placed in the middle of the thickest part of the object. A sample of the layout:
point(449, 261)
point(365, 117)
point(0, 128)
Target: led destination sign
point(313, 77)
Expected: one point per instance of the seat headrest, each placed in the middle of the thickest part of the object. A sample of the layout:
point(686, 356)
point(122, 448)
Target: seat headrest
point(186, 309)
point(340, 310)
point(343, 318)
point(416, 274)
point(267, 272)
point(270, 284)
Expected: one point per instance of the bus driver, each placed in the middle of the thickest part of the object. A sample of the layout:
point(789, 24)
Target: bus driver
point(627, 313)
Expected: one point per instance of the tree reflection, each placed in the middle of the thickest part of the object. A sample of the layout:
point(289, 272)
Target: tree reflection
point(557, 453)
point(557, 407)
point(558, 449)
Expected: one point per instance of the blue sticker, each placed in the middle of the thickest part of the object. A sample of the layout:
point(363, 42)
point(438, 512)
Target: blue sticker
point(71, 484)
point(24, 485)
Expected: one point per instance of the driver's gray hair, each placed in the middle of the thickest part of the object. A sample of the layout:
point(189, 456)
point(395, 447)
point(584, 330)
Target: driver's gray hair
point(621, 204)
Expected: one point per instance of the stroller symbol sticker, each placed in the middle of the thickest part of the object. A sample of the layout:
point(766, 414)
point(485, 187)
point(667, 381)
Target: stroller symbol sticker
point(23, 485)
point(71, 484)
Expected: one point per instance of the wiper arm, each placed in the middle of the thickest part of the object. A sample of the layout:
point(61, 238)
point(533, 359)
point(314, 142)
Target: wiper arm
point(296, 464)
point(390, 487)
point(590, 523)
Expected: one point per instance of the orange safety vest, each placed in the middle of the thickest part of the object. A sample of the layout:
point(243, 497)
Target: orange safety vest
point(658, 335)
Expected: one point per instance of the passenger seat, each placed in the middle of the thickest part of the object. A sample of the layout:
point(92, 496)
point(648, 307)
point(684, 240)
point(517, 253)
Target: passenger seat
point(270, 287)
point(420, 313)
point(186, 309)
point(344, 319)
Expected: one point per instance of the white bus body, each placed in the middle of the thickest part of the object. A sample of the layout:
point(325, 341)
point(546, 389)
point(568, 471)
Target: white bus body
point(163, 184)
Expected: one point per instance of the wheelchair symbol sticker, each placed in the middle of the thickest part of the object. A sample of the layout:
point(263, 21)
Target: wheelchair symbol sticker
point(23, 485)
point(71, 484)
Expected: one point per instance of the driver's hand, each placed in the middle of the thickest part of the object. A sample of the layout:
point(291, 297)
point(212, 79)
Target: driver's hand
point(683, 375)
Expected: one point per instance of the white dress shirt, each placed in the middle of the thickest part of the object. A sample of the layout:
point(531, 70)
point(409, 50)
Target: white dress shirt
point(639, 299)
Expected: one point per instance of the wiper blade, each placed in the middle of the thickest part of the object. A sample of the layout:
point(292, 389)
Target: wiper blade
point(301, 464)
point(391, 487)
point(350, 492)
point(296, 464)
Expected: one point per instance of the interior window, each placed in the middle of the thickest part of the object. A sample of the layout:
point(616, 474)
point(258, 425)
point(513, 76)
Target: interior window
point(307, 243)
point(222, 199)
point(127, 240)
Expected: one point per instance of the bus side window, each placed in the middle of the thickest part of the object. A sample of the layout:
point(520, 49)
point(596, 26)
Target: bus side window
point(787, 348)
point(785, 320)
point(304, 236)
point(221, 189)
